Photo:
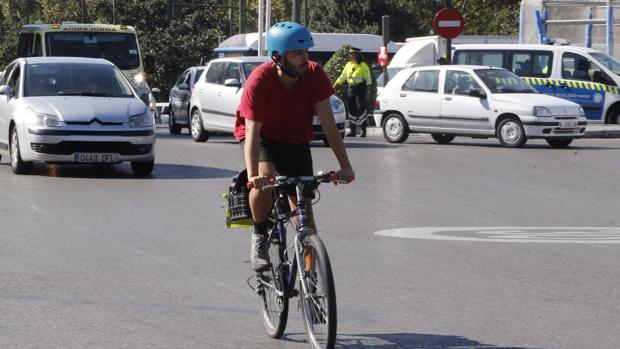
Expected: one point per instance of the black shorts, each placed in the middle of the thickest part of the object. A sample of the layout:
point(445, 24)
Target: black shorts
point(289, 159)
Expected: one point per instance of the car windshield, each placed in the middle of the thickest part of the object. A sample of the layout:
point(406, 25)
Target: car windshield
point(118, 48)
point(80, 79)
point(503, 81)
point(608, 61)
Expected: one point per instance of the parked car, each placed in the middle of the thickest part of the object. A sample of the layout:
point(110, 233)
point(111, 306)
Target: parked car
point(179, 99)
point(218, 93)
point(476, 101)
point(73, 110)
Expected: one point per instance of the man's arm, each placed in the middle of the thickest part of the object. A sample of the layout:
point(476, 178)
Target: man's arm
point(326, 117)
point(251, 151)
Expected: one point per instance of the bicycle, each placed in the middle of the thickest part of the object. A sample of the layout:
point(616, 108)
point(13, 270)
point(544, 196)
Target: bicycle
point(315, 279)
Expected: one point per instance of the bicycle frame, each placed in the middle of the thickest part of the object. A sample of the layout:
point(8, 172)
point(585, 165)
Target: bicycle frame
point(302, 229)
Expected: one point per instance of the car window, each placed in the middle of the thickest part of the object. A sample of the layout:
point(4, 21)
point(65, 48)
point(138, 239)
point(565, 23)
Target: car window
point(14, 80)
point(460, 83)
point(577, 67)
point(491, 58)
point(6, 74)
point(426, 81)
point(98, 80)
point(182, 78)
point(408, 85)
point(232, 72)
point(197, 75)
point(215, 72)
point(249, 68)
point(532, 64)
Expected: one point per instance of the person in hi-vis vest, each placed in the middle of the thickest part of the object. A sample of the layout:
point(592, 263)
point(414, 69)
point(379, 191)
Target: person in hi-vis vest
point(356, 74)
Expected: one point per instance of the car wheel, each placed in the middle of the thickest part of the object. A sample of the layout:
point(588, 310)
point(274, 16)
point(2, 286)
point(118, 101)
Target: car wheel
point(614, 115)
point(395, 128)
point(18, 166)
point(559, 143)
point(142, 168)
point(173, 127)
point(199, 134)
point(510, 133)
point(442, 138)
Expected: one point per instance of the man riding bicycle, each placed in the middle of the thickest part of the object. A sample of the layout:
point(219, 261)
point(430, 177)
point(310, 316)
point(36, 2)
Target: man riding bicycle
point(274, 125)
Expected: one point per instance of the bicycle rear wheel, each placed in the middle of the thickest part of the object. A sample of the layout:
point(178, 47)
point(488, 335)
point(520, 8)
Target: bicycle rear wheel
point(272, 300)
point(318, 303)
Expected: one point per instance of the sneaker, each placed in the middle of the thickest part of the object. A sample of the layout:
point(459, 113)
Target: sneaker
point(259, 258)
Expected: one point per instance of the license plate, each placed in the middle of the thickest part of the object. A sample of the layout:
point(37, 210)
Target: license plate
point(95, 157)
point(568, 124)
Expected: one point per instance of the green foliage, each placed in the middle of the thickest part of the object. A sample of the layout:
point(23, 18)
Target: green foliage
point(196, 30)
point(490, 17)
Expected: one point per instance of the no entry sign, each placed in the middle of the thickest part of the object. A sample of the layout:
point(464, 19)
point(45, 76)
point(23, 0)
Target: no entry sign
point(448, 23)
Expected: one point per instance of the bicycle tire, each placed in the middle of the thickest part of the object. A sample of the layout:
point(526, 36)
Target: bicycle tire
point(318, 308)
point(274, 308)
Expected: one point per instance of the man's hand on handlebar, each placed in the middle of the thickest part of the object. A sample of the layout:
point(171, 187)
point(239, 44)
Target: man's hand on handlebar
point(258, 182)
point(346, 174)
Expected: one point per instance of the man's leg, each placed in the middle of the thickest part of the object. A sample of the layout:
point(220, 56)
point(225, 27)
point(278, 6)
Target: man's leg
point(261, 202)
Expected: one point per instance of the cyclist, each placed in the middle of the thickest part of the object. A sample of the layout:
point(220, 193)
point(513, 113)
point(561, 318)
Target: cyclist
point(274, 124)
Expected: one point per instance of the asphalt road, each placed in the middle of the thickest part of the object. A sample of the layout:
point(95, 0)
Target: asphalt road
point(467, 245)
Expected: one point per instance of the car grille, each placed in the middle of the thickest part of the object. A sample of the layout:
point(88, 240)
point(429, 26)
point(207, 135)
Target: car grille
point(66, 148)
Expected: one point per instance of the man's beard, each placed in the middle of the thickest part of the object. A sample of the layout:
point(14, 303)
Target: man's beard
point(294, 71)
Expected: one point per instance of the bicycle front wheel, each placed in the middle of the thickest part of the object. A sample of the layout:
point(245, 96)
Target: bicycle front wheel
point(272, 300)
point(318, 295)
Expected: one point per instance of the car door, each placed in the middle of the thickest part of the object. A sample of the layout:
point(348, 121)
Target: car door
point(177, 96)
point(208, 92)
point(231, 95)
point(418, 99)
point(580, 73)
point(184, 95)
point(11, 78)
point(459, 110)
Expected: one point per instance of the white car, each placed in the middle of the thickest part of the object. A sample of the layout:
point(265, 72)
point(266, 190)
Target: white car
point(73, 110)
point(217, 94)
point(474, 101)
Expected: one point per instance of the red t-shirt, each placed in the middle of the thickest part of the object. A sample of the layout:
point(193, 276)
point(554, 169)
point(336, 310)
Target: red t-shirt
point(286, 116)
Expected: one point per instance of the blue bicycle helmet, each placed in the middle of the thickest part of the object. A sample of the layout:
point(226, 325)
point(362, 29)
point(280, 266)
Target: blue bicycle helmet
point(287, 36)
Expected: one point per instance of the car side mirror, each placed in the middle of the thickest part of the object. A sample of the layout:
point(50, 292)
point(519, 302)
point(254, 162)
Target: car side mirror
point(141, 91)
point(155, 90)
point(232, 82)
point(7, 91)
point(149, 63)
point(477, 94)
point(183, 87)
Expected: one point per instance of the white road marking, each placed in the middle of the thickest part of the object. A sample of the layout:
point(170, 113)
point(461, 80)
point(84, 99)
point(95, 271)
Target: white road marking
point(573, 235)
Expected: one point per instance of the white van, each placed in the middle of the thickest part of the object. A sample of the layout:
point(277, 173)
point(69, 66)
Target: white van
point(582, 75)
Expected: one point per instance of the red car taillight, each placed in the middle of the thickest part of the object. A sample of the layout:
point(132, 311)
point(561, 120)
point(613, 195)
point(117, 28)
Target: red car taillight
point(377, 106)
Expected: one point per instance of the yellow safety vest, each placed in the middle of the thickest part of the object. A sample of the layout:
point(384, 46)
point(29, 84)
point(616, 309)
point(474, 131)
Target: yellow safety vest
point(354, 73)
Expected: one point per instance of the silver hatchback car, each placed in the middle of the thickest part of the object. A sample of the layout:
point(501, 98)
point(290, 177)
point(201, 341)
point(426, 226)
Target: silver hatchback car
point(73, 110)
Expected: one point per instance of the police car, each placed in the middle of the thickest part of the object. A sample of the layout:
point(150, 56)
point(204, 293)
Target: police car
point(582, 75)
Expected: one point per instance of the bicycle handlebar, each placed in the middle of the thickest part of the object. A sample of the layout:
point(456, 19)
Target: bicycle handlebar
point(321, 177)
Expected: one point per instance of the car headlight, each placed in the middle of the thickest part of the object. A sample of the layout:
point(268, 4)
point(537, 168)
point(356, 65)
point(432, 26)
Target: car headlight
point(337, 106)
point(142, 120)
point(582, 112)
point(40, 119)
point(542, 111)
point(138, 78)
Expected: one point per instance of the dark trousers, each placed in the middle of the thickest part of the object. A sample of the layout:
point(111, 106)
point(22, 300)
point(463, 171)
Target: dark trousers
point(356, 101)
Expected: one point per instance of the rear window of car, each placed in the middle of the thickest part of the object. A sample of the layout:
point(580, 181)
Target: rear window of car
point(249, 68)
point(426, 81)
point(197, 76)
point(215, 72)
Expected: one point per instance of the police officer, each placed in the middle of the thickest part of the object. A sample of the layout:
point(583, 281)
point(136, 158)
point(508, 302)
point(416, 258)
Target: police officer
point(356, 74)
